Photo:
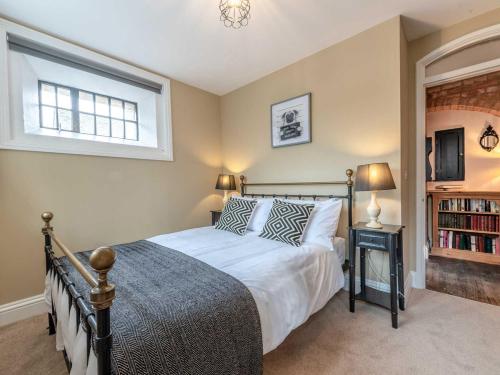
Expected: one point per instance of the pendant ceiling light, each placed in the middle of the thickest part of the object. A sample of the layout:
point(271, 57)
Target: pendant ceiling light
point(234, 13)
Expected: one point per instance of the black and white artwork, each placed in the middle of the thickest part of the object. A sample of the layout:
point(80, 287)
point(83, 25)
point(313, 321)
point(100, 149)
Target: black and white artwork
point(291, 121)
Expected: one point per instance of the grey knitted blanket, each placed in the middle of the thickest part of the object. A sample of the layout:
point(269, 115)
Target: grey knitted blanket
point(174, 314)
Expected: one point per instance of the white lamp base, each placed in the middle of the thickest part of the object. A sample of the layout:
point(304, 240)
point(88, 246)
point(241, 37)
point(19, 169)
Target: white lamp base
point(226, 198)
point(373, 210)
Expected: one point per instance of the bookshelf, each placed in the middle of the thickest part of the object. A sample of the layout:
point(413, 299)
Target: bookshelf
point(466, 225)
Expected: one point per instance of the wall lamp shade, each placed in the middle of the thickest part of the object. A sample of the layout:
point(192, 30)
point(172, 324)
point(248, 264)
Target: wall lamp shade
point(374, 177)
point(225, 182)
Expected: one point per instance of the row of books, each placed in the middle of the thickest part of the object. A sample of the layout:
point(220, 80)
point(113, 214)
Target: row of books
point(467, 204)
point(463, 241)
point(485, 223)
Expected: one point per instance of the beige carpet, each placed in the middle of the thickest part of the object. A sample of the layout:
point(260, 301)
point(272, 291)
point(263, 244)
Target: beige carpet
point(438, 334)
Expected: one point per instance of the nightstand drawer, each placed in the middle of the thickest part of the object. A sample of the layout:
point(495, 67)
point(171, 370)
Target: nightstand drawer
point(371, 240)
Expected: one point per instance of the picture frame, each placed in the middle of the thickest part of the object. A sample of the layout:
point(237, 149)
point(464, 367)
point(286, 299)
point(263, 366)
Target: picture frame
point(291, 121)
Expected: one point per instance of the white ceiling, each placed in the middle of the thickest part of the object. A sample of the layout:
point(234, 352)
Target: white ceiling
point(184, 39)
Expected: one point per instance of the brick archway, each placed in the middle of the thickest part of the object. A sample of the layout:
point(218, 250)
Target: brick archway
point(478, 94)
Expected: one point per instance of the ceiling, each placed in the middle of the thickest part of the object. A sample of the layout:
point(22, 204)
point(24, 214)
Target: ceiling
point(184, 39)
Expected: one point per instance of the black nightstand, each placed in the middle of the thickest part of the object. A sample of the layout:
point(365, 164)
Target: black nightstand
point(390, 239)
point(215, 216)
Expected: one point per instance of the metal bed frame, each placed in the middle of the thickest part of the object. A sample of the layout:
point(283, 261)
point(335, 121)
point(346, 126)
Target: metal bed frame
point(94, 313)
point(349, 182)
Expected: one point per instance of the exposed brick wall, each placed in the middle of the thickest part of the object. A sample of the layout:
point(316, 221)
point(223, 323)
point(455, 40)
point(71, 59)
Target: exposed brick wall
point(480, 94)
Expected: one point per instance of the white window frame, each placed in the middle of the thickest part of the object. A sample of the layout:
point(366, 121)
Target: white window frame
point(8, 127)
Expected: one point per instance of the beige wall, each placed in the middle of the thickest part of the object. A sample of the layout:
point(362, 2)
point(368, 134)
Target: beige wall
point(356, 117)
point(405, 140)
point(416, 50)
point(100, 200)
point(482, 168)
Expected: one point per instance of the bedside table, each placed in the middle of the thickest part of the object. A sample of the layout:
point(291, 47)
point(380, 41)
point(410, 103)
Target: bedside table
point(215, 216)
point(388, 239)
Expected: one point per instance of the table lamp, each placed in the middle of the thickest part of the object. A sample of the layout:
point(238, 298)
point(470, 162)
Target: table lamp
point(227, 183)
point(374, 177)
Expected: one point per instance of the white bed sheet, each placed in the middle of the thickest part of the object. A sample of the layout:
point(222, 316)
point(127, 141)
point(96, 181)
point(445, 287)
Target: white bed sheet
point(288, 283)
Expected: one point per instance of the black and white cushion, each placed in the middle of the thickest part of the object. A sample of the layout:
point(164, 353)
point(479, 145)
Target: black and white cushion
point(286, 222)
point(236, 215)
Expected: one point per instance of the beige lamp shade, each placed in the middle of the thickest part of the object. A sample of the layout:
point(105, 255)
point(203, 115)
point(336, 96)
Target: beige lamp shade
point(374, 177)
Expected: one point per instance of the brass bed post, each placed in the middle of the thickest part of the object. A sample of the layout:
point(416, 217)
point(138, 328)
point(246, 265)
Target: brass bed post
point(102, 293)
point(101, 298)
point(349, 183)
point(242, 185)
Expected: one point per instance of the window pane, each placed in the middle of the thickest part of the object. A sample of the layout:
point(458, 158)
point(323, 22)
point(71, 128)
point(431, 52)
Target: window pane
point(117, 129)
point(85, 102)
point(86, 124)
point(63, 98)
point(102, 126)
point(65, 120)
point(48, 94)
point(131, 130)
point(49, 117)
point(116, 108)
point(102, 105)
point(130, 112)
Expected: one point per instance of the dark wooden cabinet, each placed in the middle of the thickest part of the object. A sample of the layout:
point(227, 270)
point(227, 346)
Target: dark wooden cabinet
point(389, 239)
point(449, 159)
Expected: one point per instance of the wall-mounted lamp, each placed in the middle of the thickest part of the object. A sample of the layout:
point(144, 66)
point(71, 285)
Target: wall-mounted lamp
point(489, 138)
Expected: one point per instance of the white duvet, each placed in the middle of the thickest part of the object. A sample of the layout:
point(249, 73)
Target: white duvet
point(288, 283)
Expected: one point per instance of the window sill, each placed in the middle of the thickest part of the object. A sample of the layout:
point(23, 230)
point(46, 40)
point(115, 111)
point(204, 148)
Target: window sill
point(87, 148)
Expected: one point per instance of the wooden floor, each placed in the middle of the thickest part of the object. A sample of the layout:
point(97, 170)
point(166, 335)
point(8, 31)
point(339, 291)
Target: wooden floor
point(472, 280)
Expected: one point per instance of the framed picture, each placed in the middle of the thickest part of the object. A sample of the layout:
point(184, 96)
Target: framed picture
point(291, 121)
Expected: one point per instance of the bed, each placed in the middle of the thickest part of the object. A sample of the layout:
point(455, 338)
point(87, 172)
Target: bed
point(288, 284)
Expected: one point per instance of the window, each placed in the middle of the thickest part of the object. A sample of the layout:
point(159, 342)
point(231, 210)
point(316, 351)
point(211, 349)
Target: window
point(58, 97)
point(70, 109)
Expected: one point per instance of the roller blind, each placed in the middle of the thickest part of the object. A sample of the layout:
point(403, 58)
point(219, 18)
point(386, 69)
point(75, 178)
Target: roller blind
point(23, 45)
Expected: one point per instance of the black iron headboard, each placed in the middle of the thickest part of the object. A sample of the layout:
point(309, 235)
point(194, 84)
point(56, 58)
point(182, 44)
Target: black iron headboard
point(349, 183)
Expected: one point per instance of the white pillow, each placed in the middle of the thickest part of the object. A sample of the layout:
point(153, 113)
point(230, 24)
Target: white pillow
point(323, 222)
point(259, 214)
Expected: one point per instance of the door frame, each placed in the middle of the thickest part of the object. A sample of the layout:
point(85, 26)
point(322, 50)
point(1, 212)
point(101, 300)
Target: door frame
point(422, 83)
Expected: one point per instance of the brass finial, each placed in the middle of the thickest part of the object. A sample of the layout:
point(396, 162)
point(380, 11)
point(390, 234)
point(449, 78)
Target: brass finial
point(47, 217)
point(349, 174)
point(102, 260)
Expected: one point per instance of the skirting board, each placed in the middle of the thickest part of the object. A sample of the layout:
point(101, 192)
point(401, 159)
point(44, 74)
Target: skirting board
point(384, 287)
point(22, 309)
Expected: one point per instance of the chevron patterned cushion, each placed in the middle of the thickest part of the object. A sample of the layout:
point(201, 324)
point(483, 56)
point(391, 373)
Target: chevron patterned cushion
point(236, 215)
point(286, 222)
